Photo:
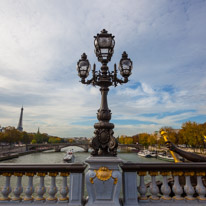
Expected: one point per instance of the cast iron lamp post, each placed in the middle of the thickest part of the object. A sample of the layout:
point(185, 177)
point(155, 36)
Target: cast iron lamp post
point(103, 142)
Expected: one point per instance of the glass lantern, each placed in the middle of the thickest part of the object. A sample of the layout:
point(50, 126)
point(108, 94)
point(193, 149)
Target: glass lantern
point(104, 46)
point(83, 67)
point(125, 65)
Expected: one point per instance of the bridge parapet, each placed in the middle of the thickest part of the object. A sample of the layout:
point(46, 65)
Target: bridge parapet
point(182, 191)
point(75, 173)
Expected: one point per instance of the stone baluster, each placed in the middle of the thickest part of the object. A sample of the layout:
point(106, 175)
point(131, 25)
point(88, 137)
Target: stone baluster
point(129, 188)
point(165, 187)
point(53, 188)
point(142, 187)
point(19, 189)
point(200, 188)
point(153, 186)
point(7, 188)
point(41, 189)
point(177, 188)
point(64, 190)
point(188, 188)
point(30, 188)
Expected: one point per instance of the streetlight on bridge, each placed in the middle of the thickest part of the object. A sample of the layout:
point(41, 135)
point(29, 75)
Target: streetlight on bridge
point(103, 142)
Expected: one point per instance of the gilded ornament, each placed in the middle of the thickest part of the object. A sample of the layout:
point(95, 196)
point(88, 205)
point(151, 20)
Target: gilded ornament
point(18, 174)
point(53, 174)
point(7, 174)
point(91, 179)
point(153, 173)
point(165, 198)
point(28, 199)
point(5, 199)
point(63, 199)
point(178, 198)
point(189, 173)
point(115, 180)
point(177, 173)
point(42, 174)
point(30, 174)
point(52, 198)
point(163, 173)
point(40, 199)
point(200, 173)
point(142, 173)
point(64, 174)
point(142, 198)
point(103, 173)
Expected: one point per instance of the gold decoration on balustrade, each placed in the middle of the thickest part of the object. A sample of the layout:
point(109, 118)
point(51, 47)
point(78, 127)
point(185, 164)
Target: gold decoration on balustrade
point(53, 174)
point(201, 198)
point(30, 174)
point(28, 199)
point(200, 173)
point(178, 198)
point(64, 174)
point(5, 199)
point(189, 198)
point(16, 198)
point(142, 198)
point(154, 198)
point(115, 180)
point(52, 198)
point(63, 199)
point(189, 173)
point(18, 174)
point(153, 173)
point(142, 173)
point(40, 199)
point(165, 173)
point(41, 174)
point(177, 173)
point(7, 174)
point(91, 179)
point(165, 198)
point(103, 174)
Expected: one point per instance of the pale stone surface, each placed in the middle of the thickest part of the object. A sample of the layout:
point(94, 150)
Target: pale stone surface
point(103, 192)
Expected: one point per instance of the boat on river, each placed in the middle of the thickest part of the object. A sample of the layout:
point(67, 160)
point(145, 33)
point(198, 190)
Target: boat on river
point(69, 157)
point(164, 156)
point(144, 153)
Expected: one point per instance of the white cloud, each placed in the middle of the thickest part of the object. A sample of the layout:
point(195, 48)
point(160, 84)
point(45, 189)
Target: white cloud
point(41, 41)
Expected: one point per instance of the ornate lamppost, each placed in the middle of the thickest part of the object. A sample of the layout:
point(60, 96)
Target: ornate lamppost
point(103, 142)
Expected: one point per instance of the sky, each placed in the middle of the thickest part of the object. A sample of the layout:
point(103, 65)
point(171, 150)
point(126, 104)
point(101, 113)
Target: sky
point(42, 40)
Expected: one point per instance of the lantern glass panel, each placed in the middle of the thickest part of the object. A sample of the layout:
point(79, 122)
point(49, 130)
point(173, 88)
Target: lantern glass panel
point(83, 65)
point(126, 64)
point(104, 41)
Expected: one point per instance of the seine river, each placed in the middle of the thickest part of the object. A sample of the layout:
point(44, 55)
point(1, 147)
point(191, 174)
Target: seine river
point(50, 157)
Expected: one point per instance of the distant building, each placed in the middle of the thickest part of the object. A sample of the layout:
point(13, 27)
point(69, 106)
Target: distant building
point(20, 125)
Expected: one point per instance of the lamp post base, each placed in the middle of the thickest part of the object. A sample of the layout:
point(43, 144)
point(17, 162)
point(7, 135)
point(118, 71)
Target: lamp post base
point(103, 181)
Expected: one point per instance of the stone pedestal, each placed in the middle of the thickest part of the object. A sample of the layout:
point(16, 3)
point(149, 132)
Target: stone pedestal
point(103, 181)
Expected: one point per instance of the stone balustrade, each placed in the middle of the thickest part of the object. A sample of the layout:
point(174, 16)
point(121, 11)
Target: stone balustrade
point(143, 184)
point(68, 173)
point(186, 185)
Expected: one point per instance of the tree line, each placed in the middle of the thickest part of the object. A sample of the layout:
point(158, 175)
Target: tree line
point(191, 134)
point(13, 136)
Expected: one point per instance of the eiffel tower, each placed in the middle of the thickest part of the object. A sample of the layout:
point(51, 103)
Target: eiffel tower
point(20, 125)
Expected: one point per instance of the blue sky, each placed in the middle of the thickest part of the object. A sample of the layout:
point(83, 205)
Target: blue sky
point(41, 41)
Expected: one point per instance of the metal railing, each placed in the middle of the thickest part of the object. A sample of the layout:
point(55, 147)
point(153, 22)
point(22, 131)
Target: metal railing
point(72, 173)
point(186, 183)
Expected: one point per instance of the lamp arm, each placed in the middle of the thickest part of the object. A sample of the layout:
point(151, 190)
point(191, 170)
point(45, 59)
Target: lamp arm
point(88, 81)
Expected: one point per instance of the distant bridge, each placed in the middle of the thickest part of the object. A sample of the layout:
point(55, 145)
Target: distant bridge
point(58, 146)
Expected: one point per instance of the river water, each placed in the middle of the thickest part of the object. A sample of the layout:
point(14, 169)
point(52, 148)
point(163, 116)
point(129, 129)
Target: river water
point(51, 157)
